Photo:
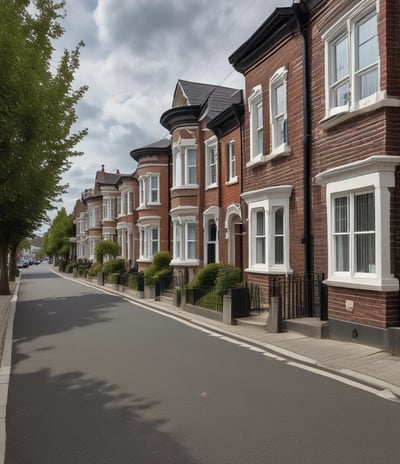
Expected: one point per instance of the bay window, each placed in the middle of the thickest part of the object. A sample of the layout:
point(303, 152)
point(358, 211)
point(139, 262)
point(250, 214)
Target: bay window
point(358, 219)
point(269, 229)
point(185, 163)
point(149, 237)
point(149, 190)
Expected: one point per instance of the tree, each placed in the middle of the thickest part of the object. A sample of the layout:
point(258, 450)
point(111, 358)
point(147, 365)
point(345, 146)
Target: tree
point(37, 112)
point(56, 241)
point(106, 247)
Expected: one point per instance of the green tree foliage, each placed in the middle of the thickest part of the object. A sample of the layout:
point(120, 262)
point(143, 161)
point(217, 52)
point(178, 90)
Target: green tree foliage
point(37, 112)
point(159, 267)
point(104, 248)
point(56, 241)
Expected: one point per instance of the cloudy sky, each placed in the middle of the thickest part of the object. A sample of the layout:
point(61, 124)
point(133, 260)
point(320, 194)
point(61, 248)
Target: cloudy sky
point(135, 52)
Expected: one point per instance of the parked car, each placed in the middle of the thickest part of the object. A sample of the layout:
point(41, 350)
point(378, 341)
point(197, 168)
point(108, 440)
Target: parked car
point(22, 263)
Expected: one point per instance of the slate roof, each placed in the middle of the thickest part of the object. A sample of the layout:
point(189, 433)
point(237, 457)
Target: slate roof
point(214, 98)
point(161, 146)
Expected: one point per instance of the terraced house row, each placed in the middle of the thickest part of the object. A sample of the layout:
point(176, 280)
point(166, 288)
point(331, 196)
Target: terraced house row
point(296, 173)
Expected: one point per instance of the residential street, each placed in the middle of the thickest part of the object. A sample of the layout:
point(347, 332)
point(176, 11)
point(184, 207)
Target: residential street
point(98, 379)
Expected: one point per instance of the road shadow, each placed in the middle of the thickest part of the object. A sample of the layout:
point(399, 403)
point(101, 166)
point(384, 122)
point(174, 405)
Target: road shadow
point(49, 316)
point(70, 419)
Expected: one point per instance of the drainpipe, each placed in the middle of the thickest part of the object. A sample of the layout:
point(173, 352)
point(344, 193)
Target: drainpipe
point(301, 17)
point(239, 119)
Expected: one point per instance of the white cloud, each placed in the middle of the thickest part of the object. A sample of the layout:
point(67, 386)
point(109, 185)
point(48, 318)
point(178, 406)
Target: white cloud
point(135, 52)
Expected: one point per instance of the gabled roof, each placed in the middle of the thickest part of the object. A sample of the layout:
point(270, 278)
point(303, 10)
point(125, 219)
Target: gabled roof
point(212, 98)
point(278, 26)
point(194, 101)
point(106, 178)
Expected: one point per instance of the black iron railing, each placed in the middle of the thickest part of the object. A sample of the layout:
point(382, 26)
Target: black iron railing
point(301, 295)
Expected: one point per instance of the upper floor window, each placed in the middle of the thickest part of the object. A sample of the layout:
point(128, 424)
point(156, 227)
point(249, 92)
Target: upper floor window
point(149, 190)
point(108, 209)
point(278, 111)
point(231, 162)
point(256, 123)
point(94, 216)
point(352, 60)
point(185, 164)
point(211, 162)
point(130, 202)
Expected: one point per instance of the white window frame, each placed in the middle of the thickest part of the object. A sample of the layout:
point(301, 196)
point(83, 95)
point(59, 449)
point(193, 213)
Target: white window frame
point(278, 147)
point(182, 169)
point(268, 200)
point(108, 208)
point(374, 174)
point(185, 219)
point(211, 167)
point(211, 214)
point(147, 245)
point(231, 163)
point(346, 27)
point(146, 190)
point(152, 190)
point(255, 102)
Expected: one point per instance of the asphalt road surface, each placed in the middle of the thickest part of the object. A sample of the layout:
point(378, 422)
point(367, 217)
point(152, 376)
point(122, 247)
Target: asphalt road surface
point(97, 379)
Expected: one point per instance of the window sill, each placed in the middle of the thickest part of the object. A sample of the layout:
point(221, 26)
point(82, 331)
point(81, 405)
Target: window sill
point(184, 187)
point(282, 150)
point(271, 270)
point(211, 186)
point(232, 181)
point(256, 161)
point(386, 285)
point(333, 120)
point(188, 262)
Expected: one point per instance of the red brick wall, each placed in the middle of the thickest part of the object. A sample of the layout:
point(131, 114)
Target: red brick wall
point(230, 194)
point(284, 170)
point(377, 309)
point(373, 133)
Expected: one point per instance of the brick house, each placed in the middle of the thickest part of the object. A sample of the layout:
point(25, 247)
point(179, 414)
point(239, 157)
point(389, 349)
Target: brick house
point(97, 221)
point(356, 150)
point(321, 156)
point(299, 176)
point(152, 221)
point(126, 217)
point(198, 225)
point(273, 181)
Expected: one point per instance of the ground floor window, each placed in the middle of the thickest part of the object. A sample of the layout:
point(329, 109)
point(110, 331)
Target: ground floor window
point(149, 240)
point(358, 220)
point(269, 229)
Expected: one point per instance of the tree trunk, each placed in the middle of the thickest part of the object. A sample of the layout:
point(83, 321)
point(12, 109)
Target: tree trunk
point(12, 271)
point(4, 284)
